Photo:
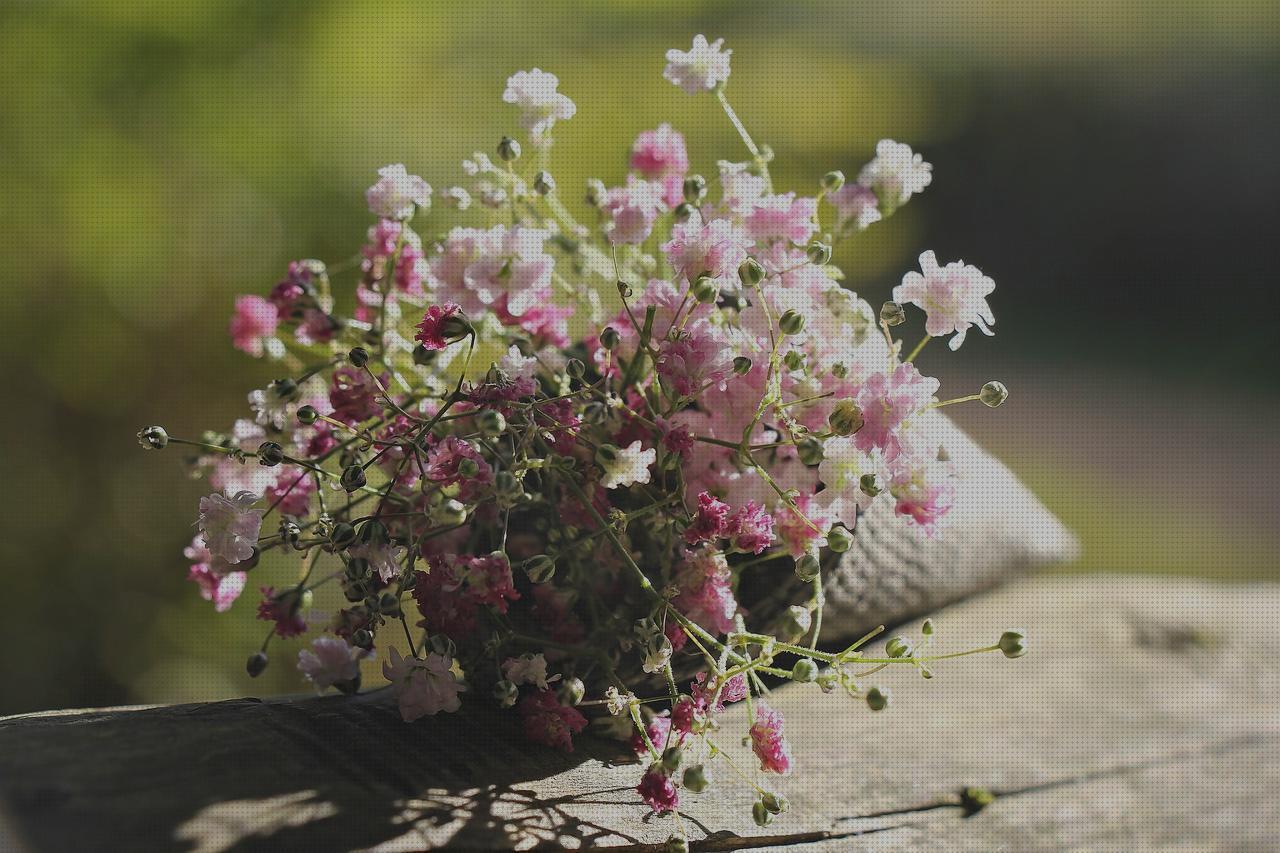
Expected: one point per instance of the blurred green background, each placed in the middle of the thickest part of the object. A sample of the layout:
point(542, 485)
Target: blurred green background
point(1111, 163)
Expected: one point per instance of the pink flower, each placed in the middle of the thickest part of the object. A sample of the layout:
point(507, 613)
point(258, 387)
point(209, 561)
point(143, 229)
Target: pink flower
point(684, 715)
point(767, 741)
point(222, 590)
point(658, 791)
point(501, 269)
point(715, 249)
point(489, 580)
point(445, 605)
point(291, 492)
point(694, 359)
point(411, 265)
point(781, 217)
point(953, 297)
point(548, 722)
point(397, 193)
point(734, 690)
point(660, 155)
point(855, 206)
point(432, 329)
point(444, 466)
point(711, 521)
point(230, 525)
point(677, 438)
point(800, 531)
point(924, 493)
point(354, 395)
point(253, 325)
point(657, 729)
point(330, 661)
point(887, 401)
point(282, 609)
point(423, 687)
point(706, 594)
point(751, 529)
point(632, 211)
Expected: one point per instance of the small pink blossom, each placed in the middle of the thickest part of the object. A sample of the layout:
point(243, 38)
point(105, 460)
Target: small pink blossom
point(751, 529)
point(660, 155)
point(423, 687)
point(710, 522)
point(222, 589)
point(397, 193)
point(410, 263)
point(632, 210)
point(658, 728)
point(886, 402)
point(715, 249)
point(230, 525)
point(253, 326)
point(706, 593)
point(924, 493)
point(677, 438)
point(354, 395)
point(445, 604)
point(856, 206)
point(445, 466)
point(782, 217)
point(953, 297)
point(658, 791)
point(291, 492)
point(694, 359)
point(282, 609)
point(330, 661)
point(431, 331)
point(896, 173)
point(767, 741)
point(489, 581)
point(548, 722)
point(734, 690)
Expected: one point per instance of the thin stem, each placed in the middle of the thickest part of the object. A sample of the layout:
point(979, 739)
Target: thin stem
point(915, 352)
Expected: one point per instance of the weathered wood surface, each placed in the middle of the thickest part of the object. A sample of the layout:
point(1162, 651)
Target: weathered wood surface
point(1146, 715)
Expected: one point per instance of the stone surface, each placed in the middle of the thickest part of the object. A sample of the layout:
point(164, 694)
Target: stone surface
point(1147, 714)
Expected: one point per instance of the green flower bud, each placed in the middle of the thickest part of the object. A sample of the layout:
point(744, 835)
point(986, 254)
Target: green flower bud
point(684, 211)
point(793, 360)
point(676, 844)
point(353, 478)
point(308, 415)
point(341, 535)
point(867, 484)
point(607, 454)
point(450, 513)
point(795, 622)
point(389, 604)
point(695, 779)
point(706, 290)
point(610, 338)
point(846, 418)
point(508, 149)
point(624, 289)
point(808, 568)
point(362, 638)
point(891, 314)
point(741, 365)
point(839, 538)
point(775, 803)
point(543, 183)
point(810, 450)
point(423, 356)
point(751, 272)
point(819, 253)
point(358, 569)
point(695, 189)
point(832, 180)
point(839, 370)
point(877, 699)
point(540, 568)
point(761, 815)
point(791, 322)
point(359, 356)
point(491, 423)
point(270, 454)
point(575, 368)
point(993, 394)
point(506, 693)
point(1012, 644)
point(804, 671)
point(897, 647)
point(572, 691)
point(672, 757)
point(285, 389)
point(256, 664)
point(468, 468)
point(596, 191)
point(153, 438)
point(927, 628)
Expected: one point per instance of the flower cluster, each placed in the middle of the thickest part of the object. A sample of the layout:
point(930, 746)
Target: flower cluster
point(552, 451)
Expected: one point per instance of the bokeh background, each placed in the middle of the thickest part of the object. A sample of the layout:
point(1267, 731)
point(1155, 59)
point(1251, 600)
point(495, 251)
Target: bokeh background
point(1111, 163)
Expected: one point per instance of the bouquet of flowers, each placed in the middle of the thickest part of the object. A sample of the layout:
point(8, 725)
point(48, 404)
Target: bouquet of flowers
point(543, 461)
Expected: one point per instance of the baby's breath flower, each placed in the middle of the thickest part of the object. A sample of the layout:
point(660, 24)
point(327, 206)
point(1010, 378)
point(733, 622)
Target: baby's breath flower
point(397, 193)
point(534, 92)
point(701, 68)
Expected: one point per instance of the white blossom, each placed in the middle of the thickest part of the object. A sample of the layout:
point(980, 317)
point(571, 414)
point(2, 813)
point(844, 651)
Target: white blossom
point(329, 661)
point(630, 465)
point(699, 69)
point(270, 407)
point(896, 173)
point(953, 297)
point(423, 686)
point(528, 669)
point(230, 525)
point(396, 193)
point(383, 558)
point(534, 92)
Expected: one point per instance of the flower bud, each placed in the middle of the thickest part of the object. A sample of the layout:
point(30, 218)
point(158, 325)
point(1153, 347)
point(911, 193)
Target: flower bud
point(359, 356)
point(828, 680)
point(353, 478)
point(596, 192)
point(832, 180)
point(543, 183)
point(450, 513)
point(341, 535)
point(506, 693)
point(839, 538)
point(423, 356)
point(289, 531)
point(607, 454)
point(775, 803)
point(795, 622)
point(624, 289)
point(867, 484)
point(810, 451)
point(572, 691)
point(695, 779)
point(804, 671)
point(761, 815)
point(609, 338)
point(362, 638)
point(808, 567)
point(373, 532)
point(897, 647)
point(575, 368)
point(270, 454)
point(508, 149)
point(684, 211)
point(993, 394)
point(846, 418)
point(256, 664)
point(877, 699)
point(927, 628)
point(389, 604)
point(839, 370)
point(153, 438)
point(672, 757)
point(358, 569)
point(751, 272)
point(676, 844)
point(891, 314)
point(695, 189)
point(491, 423)
point(539, 568)
point(1012, 644)
point(468, 468)
point(706, 290)
point(791, 322)
point(308, 415)
point(741, 365)
point(442, 644)
point(818, 253)
point(284, 389)
point(793, 360)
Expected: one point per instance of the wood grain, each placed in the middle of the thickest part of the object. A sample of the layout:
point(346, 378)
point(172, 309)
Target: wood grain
point(1147, 714)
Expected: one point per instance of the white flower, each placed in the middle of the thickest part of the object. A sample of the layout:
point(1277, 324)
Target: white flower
point(384, 559)
point(629, 465)
point(842, 468)
point(701, 68)
point(423, 686)
point(456, 197)
point(618, 703)
point(520, 368)
point(895, 173)
point(230, 525)
point(528, 669)
point(330, 661)
point(396, 193)
point(534, 92)
point(953, 297)
point(271, 407)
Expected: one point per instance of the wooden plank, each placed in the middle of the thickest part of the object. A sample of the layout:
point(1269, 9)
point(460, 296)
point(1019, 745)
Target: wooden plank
point(1145, 715)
